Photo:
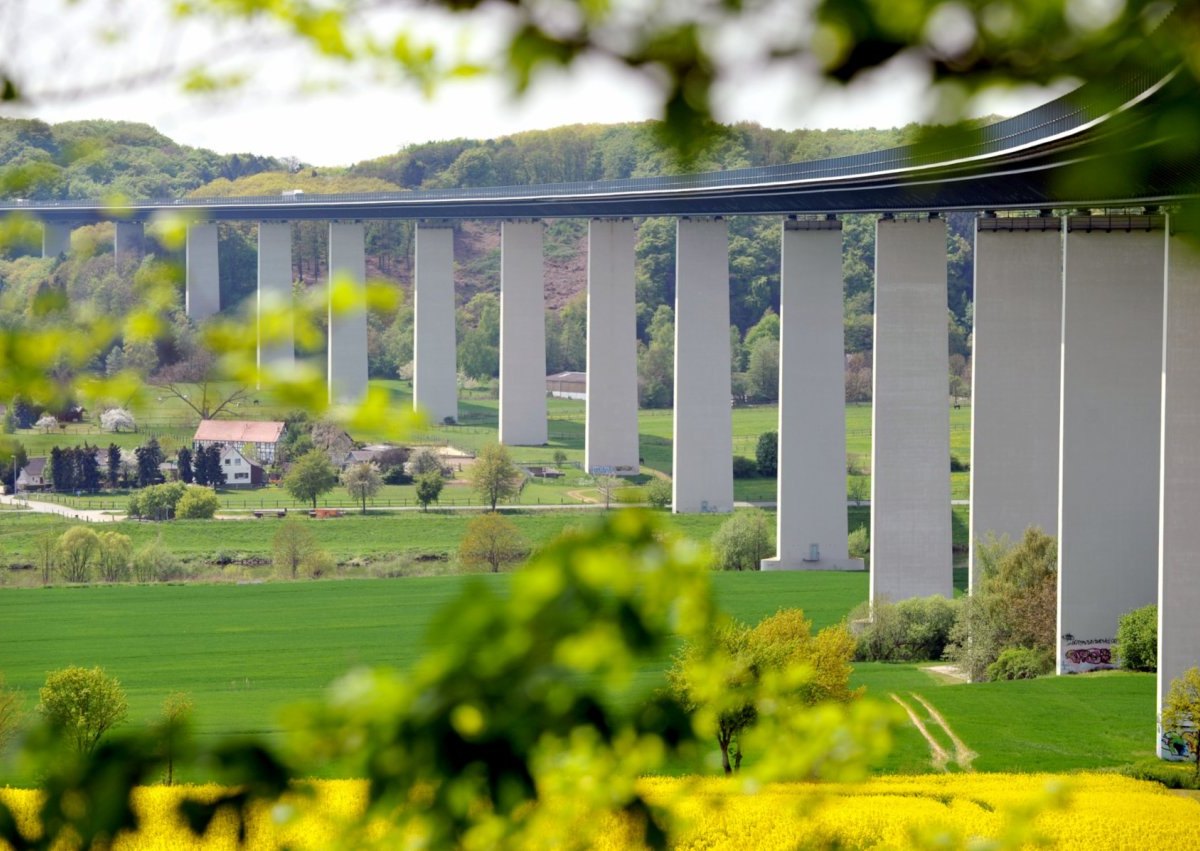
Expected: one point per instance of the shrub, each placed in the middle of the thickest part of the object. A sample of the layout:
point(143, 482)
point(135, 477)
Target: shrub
point(1021, 663)
point(913, 630)
point(659, 492)
point(744, 468)
point(859, 544)
point(957, 465)
point(1171, 775)
point(154, 561)
point(1137, 639)
point(742, 541)
point(197, 503)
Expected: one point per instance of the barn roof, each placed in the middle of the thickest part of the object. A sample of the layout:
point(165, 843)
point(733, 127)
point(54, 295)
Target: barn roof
point(239, 431)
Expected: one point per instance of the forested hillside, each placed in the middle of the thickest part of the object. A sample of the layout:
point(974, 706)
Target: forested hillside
point(101, 159)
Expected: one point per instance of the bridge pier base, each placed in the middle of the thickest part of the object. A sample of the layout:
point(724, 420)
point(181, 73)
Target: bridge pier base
point(276, 335)
point(1015, 372)
point(56, 239)
point(910, 448)
point(811, 528)
point(347, 348)
point(202, 294)
point(703, 428)
point(1112, 359)
point(522, 335)
point(435, 358)
point(611, 425)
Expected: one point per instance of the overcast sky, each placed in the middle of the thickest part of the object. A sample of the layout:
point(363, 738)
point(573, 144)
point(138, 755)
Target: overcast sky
point(73, 61)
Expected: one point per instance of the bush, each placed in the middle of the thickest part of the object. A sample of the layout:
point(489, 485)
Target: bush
point(859, 544)
point(742, 541)
point(1173, 775)
point(1021, 663)
point(914, 630)
point(1137, 639)
point(957, 465)
point(744, 468)
point(154, 561)
point(659, 492)
point(766, 454)
point(197, 503)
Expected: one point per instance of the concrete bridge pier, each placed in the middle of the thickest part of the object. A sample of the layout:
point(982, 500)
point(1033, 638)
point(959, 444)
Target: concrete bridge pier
point(129, 241)
point(435, 357)
point(56, 239)
point(1015, 373)
point(202, 294)
point(811, 521)
point(1179, 545)
point(276, 335)
point(611, 431)
point(910, 448)
point(703, 429)
point(1112, 361)
point(522, 335)
point(347, 345)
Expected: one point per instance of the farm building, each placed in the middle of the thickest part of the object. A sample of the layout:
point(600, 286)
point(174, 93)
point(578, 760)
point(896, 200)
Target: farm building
point(567, 385)
point(240, 471)
point(32, 475)
point(260, 439)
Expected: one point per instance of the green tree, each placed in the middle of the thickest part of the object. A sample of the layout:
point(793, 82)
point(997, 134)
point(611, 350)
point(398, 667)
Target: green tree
point(781, 646)
point(294, 547)
point(429, 488)
point(78, 550)
point(742, 541)
point(493, 475)
point(659, 492)
point(1181, 712)
point(149, 456)
point(185, 466)
point(362, 482)
point(311, 476)
point(763, 372)
point(83, 704)
point(766, 454)
point(492, 540)
point(114, 556)
point(176, 715)
point(197, 503)
point(1137, 639)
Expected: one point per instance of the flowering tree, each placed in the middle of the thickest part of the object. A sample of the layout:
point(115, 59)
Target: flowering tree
point(117, 419)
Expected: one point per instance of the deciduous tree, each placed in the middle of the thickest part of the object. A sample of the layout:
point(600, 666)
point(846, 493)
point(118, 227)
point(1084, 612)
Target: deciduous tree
point(429, 488)
point(83, 704)
point(743, 540)
point(362, 482)
point(492, 540)
point(310, 476)
point(197, 503)
point(1181, 712)
point(494, 476)
point(78, 550)
point(293, 546)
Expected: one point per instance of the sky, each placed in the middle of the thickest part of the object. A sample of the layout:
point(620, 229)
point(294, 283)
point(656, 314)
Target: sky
point(77, 61)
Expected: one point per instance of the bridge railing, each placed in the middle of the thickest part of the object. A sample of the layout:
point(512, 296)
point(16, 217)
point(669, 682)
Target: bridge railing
point(1066, 113)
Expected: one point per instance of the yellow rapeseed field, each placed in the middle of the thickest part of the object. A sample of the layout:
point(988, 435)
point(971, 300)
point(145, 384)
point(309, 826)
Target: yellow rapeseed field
point(1094, 812)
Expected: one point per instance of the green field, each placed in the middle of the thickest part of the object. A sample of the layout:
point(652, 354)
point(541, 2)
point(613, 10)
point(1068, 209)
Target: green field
point(245, 651)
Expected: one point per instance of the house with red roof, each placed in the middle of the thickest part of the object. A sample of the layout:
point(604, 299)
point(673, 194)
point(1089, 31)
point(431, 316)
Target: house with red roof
point(252, 438)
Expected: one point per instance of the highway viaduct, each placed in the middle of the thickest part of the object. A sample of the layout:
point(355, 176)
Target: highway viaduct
point(1086, 372)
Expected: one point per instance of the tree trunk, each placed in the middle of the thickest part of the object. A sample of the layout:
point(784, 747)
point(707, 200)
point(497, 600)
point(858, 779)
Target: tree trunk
point(724, 743)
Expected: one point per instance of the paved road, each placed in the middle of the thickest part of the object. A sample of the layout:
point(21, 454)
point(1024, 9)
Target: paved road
point(88, 516)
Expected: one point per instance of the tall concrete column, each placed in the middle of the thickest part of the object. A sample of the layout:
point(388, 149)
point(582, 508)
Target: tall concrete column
point(56, 239)
point(276, 336)
point(1179, 545)
point(1015, 378)
point(202, 295)
point(1112, 358)
point(522, 335)
point(435, 356)
point(611, 434)
point(811, 528)
point(347, 348)
point(910, 449)
point(129, 241)
point(703, 430)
